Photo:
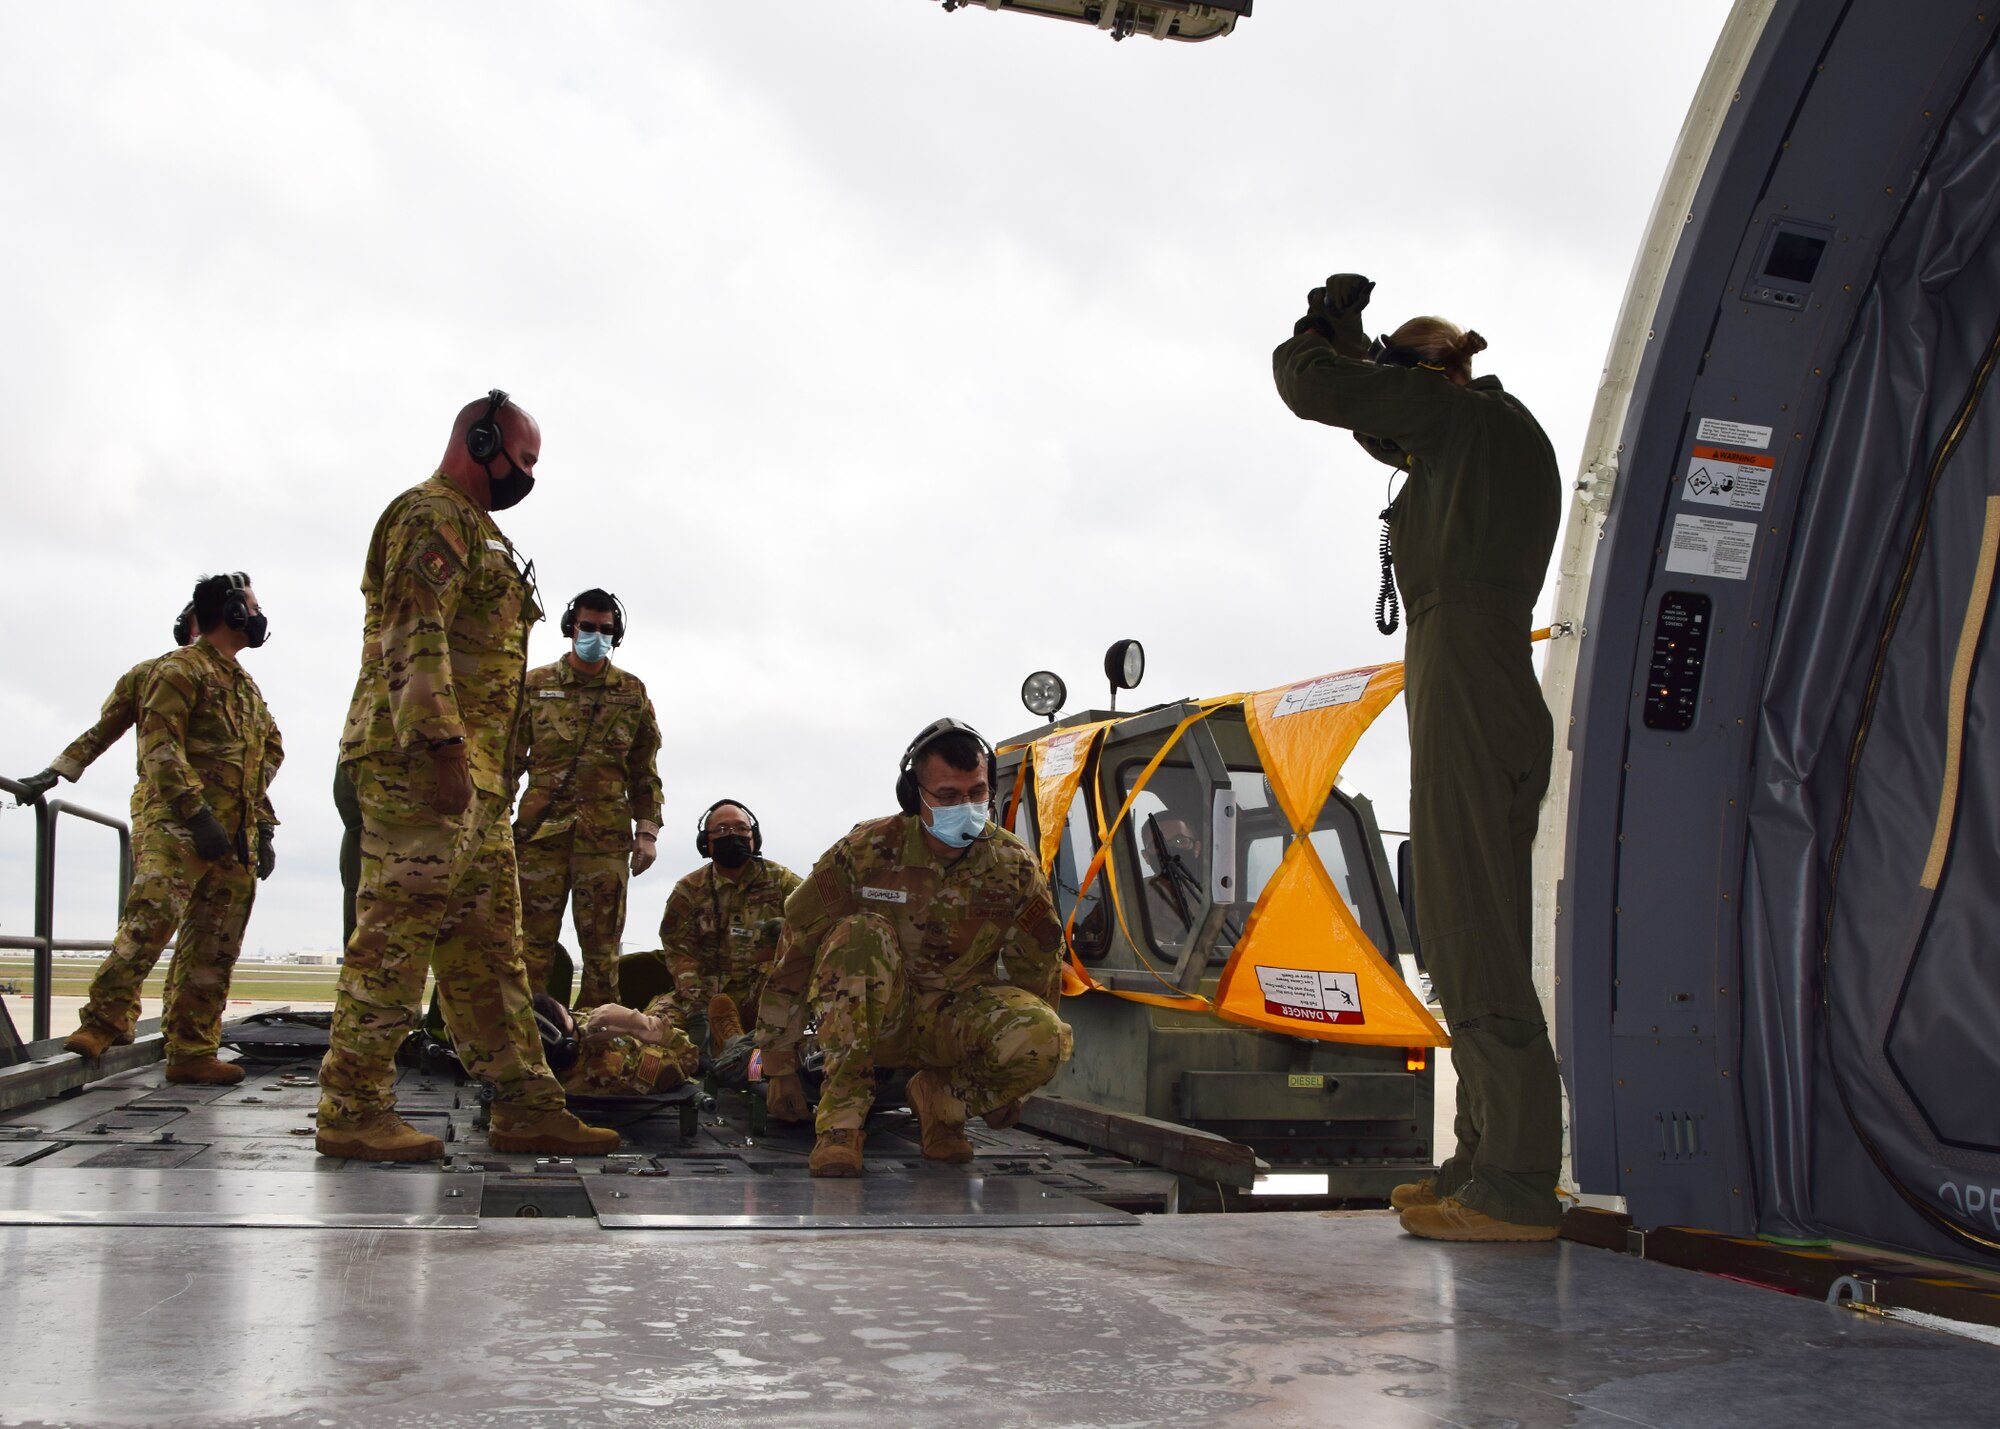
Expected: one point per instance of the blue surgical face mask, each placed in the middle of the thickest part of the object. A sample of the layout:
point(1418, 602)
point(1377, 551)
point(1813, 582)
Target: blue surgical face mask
point(957, 825)
point(592, 646)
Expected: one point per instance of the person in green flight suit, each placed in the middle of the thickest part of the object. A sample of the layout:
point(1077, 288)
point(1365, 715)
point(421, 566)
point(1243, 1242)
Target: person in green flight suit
point(1472, 532)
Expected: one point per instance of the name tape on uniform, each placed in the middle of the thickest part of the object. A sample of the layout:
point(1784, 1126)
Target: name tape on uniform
point(885, 895)
point(1718, 476)
point(1321, 693)
point(553, 694)
point(1309, 996)
point(1711, 546)
point(1725, 433)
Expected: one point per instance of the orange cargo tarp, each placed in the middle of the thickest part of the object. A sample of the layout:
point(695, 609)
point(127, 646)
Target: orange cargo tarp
point(1060, 761)
point(1303, 965)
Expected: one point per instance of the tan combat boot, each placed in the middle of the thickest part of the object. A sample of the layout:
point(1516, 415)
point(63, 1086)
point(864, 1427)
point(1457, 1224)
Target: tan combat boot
point(940, 1117)
point(381, 1137)
point(554, 1133)
point(206, 1070)
point(1452, 1219)
point(91, 1042)
point(837, 1153)
point(725, 1023)
point(1411, 1194)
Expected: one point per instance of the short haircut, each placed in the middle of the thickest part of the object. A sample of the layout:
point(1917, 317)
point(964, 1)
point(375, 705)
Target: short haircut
point(596, 599)
point(957, 749)
point(210, 594)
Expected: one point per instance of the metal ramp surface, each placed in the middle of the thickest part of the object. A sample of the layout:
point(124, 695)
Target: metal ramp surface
point(916, 1201)
point(132, 1196)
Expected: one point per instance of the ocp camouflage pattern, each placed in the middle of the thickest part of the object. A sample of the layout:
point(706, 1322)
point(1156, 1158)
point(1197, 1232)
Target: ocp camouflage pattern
point(590, 746)
point(714, 934)
point(445, 636)
point(917, 934)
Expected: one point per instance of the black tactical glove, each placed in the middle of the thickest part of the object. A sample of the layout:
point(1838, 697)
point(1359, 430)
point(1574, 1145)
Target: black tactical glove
point(1334, 312)
point(267, 856)
point(211, 840)
point(41, 783)
point(1344, 293)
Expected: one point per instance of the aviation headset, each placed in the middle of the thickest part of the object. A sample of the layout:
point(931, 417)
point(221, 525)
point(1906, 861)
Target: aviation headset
point(559, 1043)
point(235, 605)
point(701, 828)
point(483, 441)
point(617, 620)
point(184, 625)
point(906, 778)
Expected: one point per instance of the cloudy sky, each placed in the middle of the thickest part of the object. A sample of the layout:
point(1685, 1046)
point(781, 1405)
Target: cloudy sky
point(882, 355)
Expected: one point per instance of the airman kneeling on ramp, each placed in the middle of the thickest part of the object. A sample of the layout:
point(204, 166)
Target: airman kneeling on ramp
point(926, 940)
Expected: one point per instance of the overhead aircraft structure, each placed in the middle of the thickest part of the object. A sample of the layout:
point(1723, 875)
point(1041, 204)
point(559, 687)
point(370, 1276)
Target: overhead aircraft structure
point(1162, 19)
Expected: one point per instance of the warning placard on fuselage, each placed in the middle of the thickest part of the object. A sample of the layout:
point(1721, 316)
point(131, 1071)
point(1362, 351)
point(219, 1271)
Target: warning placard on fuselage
point(1718, 476)
point(1311, 996)
point(1711, 546)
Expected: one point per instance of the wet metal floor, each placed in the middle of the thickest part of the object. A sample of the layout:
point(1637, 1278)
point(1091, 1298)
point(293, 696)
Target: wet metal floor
point(1252, 1320)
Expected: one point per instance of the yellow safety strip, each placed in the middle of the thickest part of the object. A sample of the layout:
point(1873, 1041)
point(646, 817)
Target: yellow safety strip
point(1969, 632)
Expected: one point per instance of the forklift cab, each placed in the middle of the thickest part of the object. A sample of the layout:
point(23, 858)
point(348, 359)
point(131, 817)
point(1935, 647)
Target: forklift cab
point(1160, 902)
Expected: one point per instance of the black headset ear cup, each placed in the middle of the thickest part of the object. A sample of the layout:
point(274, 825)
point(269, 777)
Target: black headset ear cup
point(569, 622)
point(236, 605)
point(701, 824)
point(482, 438)
point(906, 791)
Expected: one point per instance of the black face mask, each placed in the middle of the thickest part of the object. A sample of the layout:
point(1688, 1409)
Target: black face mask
point(508, 490)
point(257, 631)
point(731, 850)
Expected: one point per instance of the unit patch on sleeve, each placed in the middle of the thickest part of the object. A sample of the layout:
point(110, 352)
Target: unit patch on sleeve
point(437, 562)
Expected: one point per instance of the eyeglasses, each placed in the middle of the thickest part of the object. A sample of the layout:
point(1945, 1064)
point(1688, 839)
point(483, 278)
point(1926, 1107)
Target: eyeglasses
point(952, 798)
point(598, 627)
point(719, 829)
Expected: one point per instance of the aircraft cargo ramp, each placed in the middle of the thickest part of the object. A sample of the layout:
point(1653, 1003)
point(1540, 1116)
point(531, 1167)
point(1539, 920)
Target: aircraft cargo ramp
point(179, 1255)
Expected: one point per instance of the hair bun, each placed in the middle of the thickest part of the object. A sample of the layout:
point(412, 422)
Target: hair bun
point(1471, 343)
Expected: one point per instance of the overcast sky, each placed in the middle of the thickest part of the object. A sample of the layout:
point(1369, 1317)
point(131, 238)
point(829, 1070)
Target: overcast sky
point(882, 355)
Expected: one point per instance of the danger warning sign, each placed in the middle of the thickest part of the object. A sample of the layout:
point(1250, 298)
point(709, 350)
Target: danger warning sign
point(1311, 996)
point(1721, 476)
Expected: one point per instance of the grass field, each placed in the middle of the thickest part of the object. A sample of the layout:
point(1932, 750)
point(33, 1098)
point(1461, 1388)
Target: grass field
point(253, 982)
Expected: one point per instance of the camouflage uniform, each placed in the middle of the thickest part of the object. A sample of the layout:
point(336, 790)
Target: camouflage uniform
point(206, 739)
point(590, 744)
point(709, 934)
point(120, 713)
point(444, 646)
point(919, 961)
point(629, 1065)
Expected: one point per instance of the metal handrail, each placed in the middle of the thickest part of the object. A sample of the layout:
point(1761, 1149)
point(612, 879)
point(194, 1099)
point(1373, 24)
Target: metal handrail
point(44, 944)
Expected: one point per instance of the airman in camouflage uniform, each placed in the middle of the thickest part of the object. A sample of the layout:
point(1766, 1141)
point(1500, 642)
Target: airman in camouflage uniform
point(622, 1053)
point(709, 932)
point(444, 645)
point(589, 742)
point(926, 940)
point(119, 713)
point(203, 826)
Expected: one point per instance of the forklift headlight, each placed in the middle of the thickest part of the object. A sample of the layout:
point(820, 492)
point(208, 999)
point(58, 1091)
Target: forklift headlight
point(1043, 693)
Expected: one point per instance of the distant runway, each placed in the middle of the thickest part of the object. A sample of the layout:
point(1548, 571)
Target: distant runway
point(255, 987)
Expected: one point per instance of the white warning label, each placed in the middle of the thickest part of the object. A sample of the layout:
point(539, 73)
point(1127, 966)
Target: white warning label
point(1710, 546)
point(1325, 691)
point(1311, 996)
point(1725, 433)
point(1057, 756)
point(1717, 476)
